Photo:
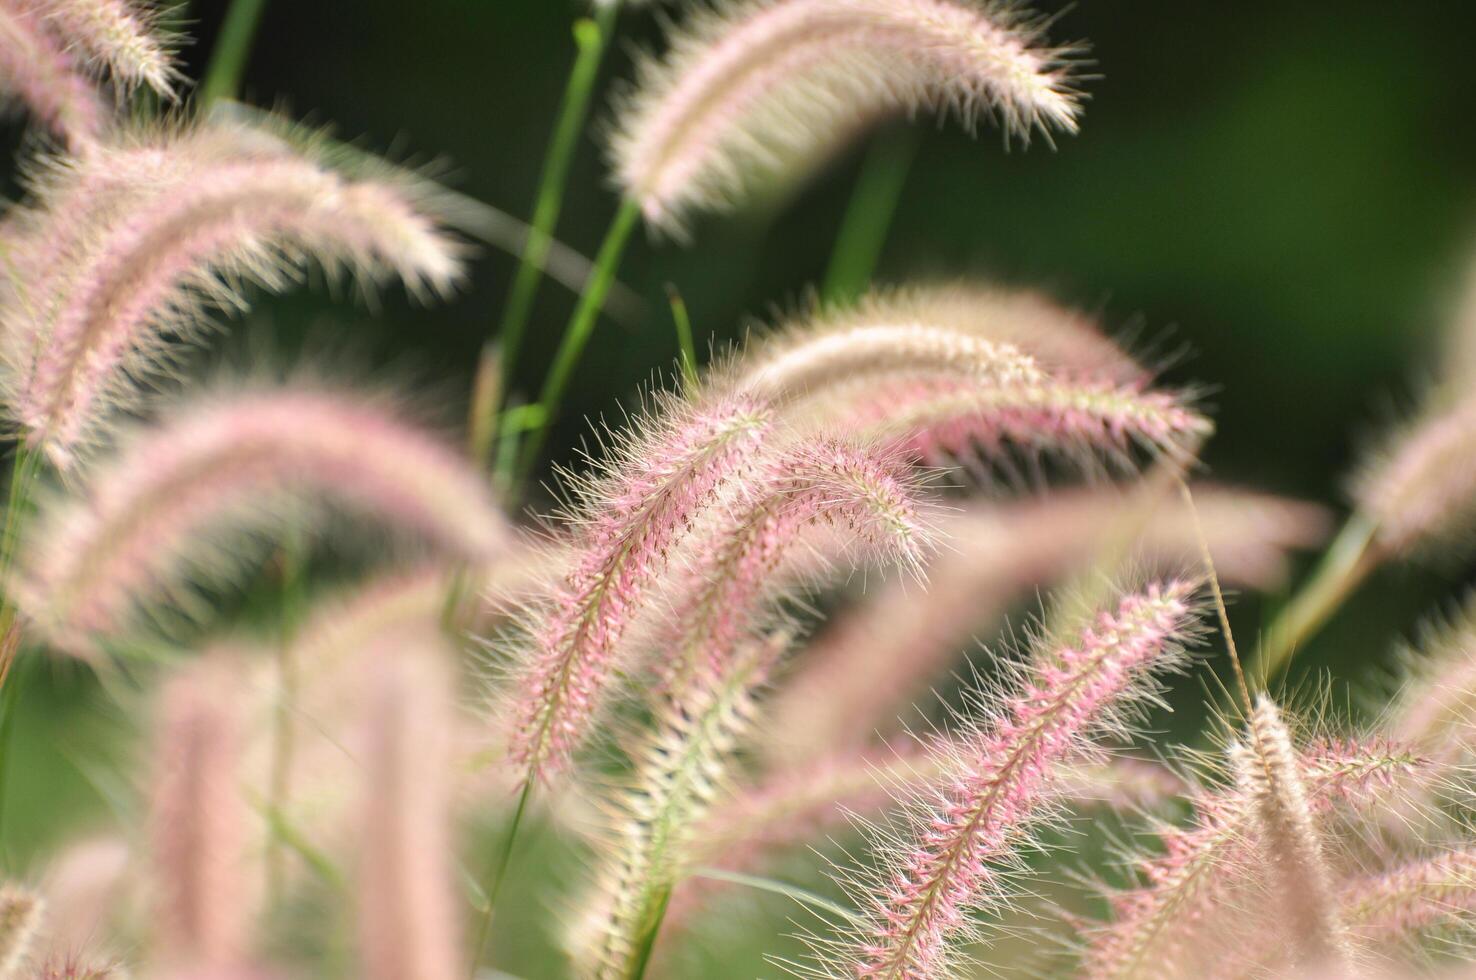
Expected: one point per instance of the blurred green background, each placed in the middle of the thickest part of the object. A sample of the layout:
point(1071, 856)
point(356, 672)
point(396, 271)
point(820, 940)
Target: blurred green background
point(1279, 197)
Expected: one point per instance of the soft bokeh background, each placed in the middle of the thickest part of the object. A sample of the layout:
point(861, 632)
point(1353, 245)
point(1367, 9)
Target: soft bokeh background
point(1281, 196)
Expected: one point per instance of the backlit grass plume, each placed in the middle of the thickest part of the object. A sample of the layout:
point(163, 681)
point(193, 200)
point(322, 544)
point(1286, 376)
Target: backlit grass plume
point(100, 313)
point(1290, 843)
point(198, 820)
point(178, 501)
point(20, 921)
point(1167, 926)
point(678, 770)
point(38, 69)
point(405, 885)
point(877, 659)
point(628, 520)
point(953, 849)
point(753, 89)
point(868, 496)
point(121, 35)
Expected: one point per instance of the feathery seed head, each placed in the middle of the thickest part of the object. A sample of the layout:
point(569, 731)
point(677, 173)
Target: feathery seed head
point(759, 89)
point(1421, 493)
point(869, 496)
point(238, 460)
point(631, 516)
point(948, 857)
point(120, 35)
point(407, 905)
point(38, 69)
point(20, 920)
point(1268, 773)
point(146, 257)
point(198, 818)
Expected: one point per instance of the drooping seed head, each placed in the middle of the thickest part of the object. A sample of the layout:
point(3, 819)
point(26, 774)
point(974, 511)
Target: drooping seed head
point(758, 89)
point(38, 70)
point(1421, 491)
point(21, 912)
point(120, 35)
point(230, 462)
point(630, 517)
point(880, 657)
point(166, 236)
point(945, 857)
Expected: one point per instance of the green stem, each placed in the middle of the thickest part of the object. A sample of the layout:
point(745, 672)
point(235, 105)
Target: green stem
point(1349, 560)
point(23, 472)
point(648, 938)
point(498, 874)
point(581, 325)
point(684, 335)
point(228, 60)
point(592, 38)
point(792, 892)
point(863, 230)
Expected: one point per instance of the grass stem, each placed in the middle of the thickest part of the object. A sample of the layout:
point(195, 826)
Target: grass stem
point(863, 230)
point(581, 325)
point(228, 60)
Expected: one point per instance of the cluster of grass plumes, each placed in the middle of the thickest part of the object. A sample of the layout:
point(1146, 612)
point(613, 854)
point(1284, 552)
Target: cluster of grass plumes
point(365, 680)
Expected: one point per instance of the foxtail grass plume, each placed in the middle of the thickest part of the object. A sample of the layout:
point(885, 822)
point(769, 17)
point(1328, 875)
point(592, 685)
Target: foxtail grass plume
point(947, 854)
point(1414, 897)
point(678, 770)
point(100, 316)
point(752, 90)
point(1420, 492)
point(969, 331)
point(870, 497)
point(1268, 773)
point(625, 523)
point(121, 35)
point(407, 903)
point(20, 922)
point(39, 70)
point(152, 517)
point(877, 659)
point(1170, 925)
point(198, 817)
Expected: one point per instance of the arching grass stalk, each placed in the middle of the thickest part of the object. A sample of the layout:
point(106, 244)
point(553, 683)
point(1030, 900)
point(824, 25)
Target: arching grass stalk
point(863, 230)
point(497, 874)
point(1349, 560)
point(228, 61)
point(592, 38)
point(581, 325)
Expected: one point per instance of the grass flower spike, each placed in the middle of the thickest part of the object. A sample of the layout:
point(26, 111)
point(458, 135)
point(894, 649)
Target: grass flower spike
point(949, 855)
point(119, 34)
point(37, 69)
point(1268, 772)
point(407, 903)
point(199, 818)
point(631, 518)
point(100, 318)
point(759, 88)
point(869, 496)
point(20, 920)
point(678, 772)
point(238, 461)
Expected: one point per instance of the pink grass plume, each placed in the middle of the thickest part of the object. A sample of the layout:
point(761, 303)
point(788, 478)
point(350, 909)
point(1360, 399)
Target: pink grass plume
point(121, 35)
point(104, 313)
point(629, 519)
point(407, 904)
point(947, 854)
point(38, 70)
point(231, 461)
point(198, 816)
point(758, 90)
